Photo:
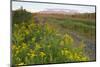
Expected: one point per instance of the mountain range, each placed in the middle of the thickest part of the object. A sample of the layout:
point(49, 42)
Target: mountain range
point(59, 11)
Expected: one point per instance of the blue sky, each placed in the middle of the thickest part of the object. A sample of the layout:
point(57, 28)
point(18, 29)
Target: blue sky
point(35, 7)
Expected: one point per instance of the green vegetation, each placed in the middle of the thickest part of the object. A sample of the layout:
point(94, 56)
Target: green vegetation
point(42, 43)
point(82, 27)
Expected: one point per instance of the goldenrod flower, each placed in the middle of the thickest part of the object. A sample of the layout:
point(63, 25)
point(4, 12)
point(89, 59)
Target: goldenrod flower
point(65, 51)
point(32, 53)
point(17, 51)
point(24, 45)
point(37, 46)
point(71, 56)
point(49, 46)
point(33, 39)
point(68, 39)
point(42, 54)
point(27, 32)
point(28, 54)
point(17, 48)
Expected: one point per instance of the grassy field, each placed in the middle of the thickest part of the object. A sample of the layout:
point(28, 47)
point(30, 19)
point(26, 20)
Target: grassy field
point(43, 39)
point(81, 26)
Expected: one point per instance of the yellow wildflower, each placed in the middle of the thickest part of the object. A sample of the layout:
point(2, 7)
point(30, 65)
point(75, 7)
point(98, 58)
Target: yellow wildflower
point(68, 39)
point(27, 32)
point(28, 54)
point(17, 48)
point(37, 46)
point(17, 51)
point(42, 54)
point(33, 39)
point(71, 56)
point(65, 51)
point(49, 46)
point(32, 53)
point(24, 45)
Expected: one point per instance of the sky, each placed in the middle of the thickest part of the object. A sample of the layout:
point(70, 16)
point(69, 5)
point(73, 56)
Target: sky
point(36, 7)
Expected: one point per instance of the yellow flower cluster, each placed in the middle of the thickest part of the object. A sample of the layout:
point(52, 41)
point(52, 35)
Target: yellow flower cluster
point(68, 39)
point(36, 50)
point(49, 46)
point(67, 54)
point(27, 32)
point(33, 39)
point(65, 51)
point(24, 45)
point(32, 53)
point(37, 47)
point(42, 54)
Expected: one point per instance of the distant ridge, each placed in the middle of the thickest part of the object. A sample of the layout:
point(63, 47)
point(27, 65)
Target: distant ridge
point(59, 11)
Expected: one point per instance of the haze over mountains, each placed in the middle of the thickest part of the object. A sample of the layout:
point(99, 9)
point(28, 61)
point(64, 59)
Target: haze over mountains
point(59, 11)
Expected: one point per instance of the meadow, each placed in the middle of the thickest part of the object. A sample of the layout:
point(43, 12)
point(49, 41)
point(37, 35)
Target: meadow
point(45, 39)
